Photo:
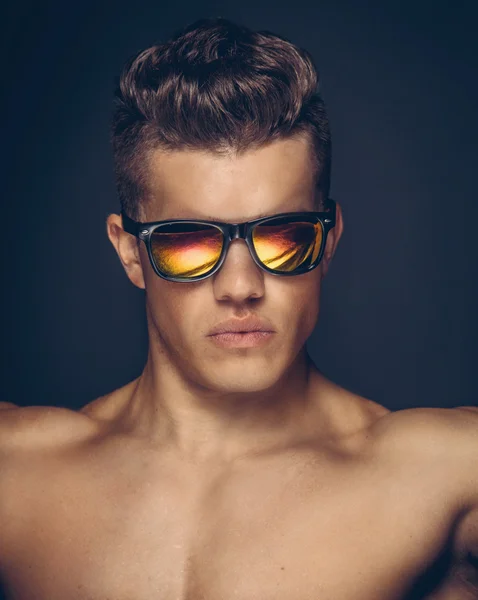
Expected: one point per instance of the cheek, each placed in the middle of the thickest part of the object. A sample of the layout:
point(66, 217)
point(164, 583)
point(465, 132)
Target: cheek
point(308, 316)
point(167, 325)
point(175, 309)
point(165, 299)
point(299, 299)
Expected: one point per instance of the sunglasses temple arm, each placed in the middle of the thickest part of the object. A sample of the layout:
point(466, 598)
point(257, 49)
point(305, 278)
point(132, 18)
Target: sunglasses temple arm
point(129, 225)
point(331, 211)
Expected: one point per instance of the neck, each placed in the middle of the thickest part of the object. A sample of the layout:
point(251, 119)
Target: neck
point(200, 423)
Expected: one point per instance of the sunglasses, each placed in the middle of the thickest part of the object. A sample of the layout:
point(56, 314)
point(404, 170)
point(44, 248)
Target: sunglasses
point(185, 250)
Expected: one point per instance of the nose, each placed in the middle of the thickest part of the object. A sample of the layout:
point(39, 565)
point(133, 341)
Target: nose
point(239, 278)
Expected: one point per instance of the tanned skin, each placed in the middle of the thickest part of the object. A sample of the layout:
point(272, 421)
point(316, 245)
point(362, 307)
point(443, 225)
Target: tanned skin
point(242, 474)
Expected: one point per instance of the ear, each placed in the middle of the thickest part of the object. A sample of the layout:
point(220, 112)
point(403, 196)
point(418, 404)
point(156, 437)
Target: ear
point(333, 238)
point(126, 246)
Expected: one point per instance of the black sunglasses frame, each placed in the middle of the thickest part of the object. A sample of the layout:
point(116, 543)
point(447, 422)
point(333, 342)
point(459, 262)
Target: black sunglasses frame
point(231, 231)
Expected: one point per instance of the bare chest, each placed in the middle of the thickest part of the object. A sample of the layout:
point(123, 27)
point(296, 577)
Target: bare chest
point(344, 530)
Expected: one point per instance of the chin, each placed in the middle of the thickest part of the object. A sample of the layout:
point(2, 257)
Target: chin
point(243, 386)
point(243, 377)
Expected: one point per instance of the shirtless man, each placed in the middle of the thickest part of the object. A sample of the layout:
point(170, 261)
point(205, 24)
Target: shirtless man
point(232, 467)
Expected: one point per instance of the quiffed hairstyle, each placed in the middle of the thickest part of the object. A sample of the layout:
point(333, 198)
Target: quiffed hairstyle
point(215, 86)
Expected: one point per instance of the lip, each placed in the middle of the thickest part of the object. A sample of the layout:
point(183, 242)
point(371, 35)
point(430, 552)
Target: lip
point(242, 340)
point(248, 325)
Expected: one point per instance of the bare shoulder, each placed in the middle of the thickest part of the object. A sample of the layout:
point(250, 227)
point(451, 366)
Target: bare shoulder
point(438, 447)
point(30, 427)
point(449, 430)
point(442, 440)
point(33, 442)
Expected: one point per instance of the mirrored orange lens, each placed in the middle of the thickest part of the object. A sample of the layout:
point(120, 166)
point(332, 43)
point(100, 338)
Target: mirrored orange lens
point(186, 249)
point(286, 246)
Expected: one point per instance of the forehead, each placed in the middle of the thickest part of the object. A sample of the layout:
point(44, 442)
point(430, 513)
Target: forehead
point(279, 177)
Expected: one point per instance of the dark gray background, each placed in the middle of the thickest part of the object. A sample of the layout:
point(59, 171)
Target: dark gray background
point(398, 321)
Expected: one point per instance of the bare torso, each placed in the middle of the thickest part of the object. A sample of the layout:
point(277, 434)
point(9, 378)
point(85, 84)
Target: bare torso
point(91, 512)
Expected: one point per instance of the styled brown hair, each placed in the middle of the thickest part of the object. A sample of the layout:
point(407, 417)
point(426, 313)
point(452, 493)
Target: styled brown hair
point(215, 86)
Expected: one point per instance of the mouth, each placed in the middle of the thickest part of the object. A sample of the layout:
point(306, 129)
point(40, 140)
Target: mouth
point(242, 339)
point(246, 332)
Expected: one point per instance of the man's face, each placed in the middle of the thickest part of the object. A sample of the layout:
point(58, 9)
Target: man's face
point(198, 185)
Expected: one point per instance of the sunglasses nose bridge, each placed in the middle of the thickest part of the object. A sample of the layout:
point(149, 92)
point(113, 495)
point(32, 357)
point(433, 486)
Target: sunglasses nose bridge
point(237, 231)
